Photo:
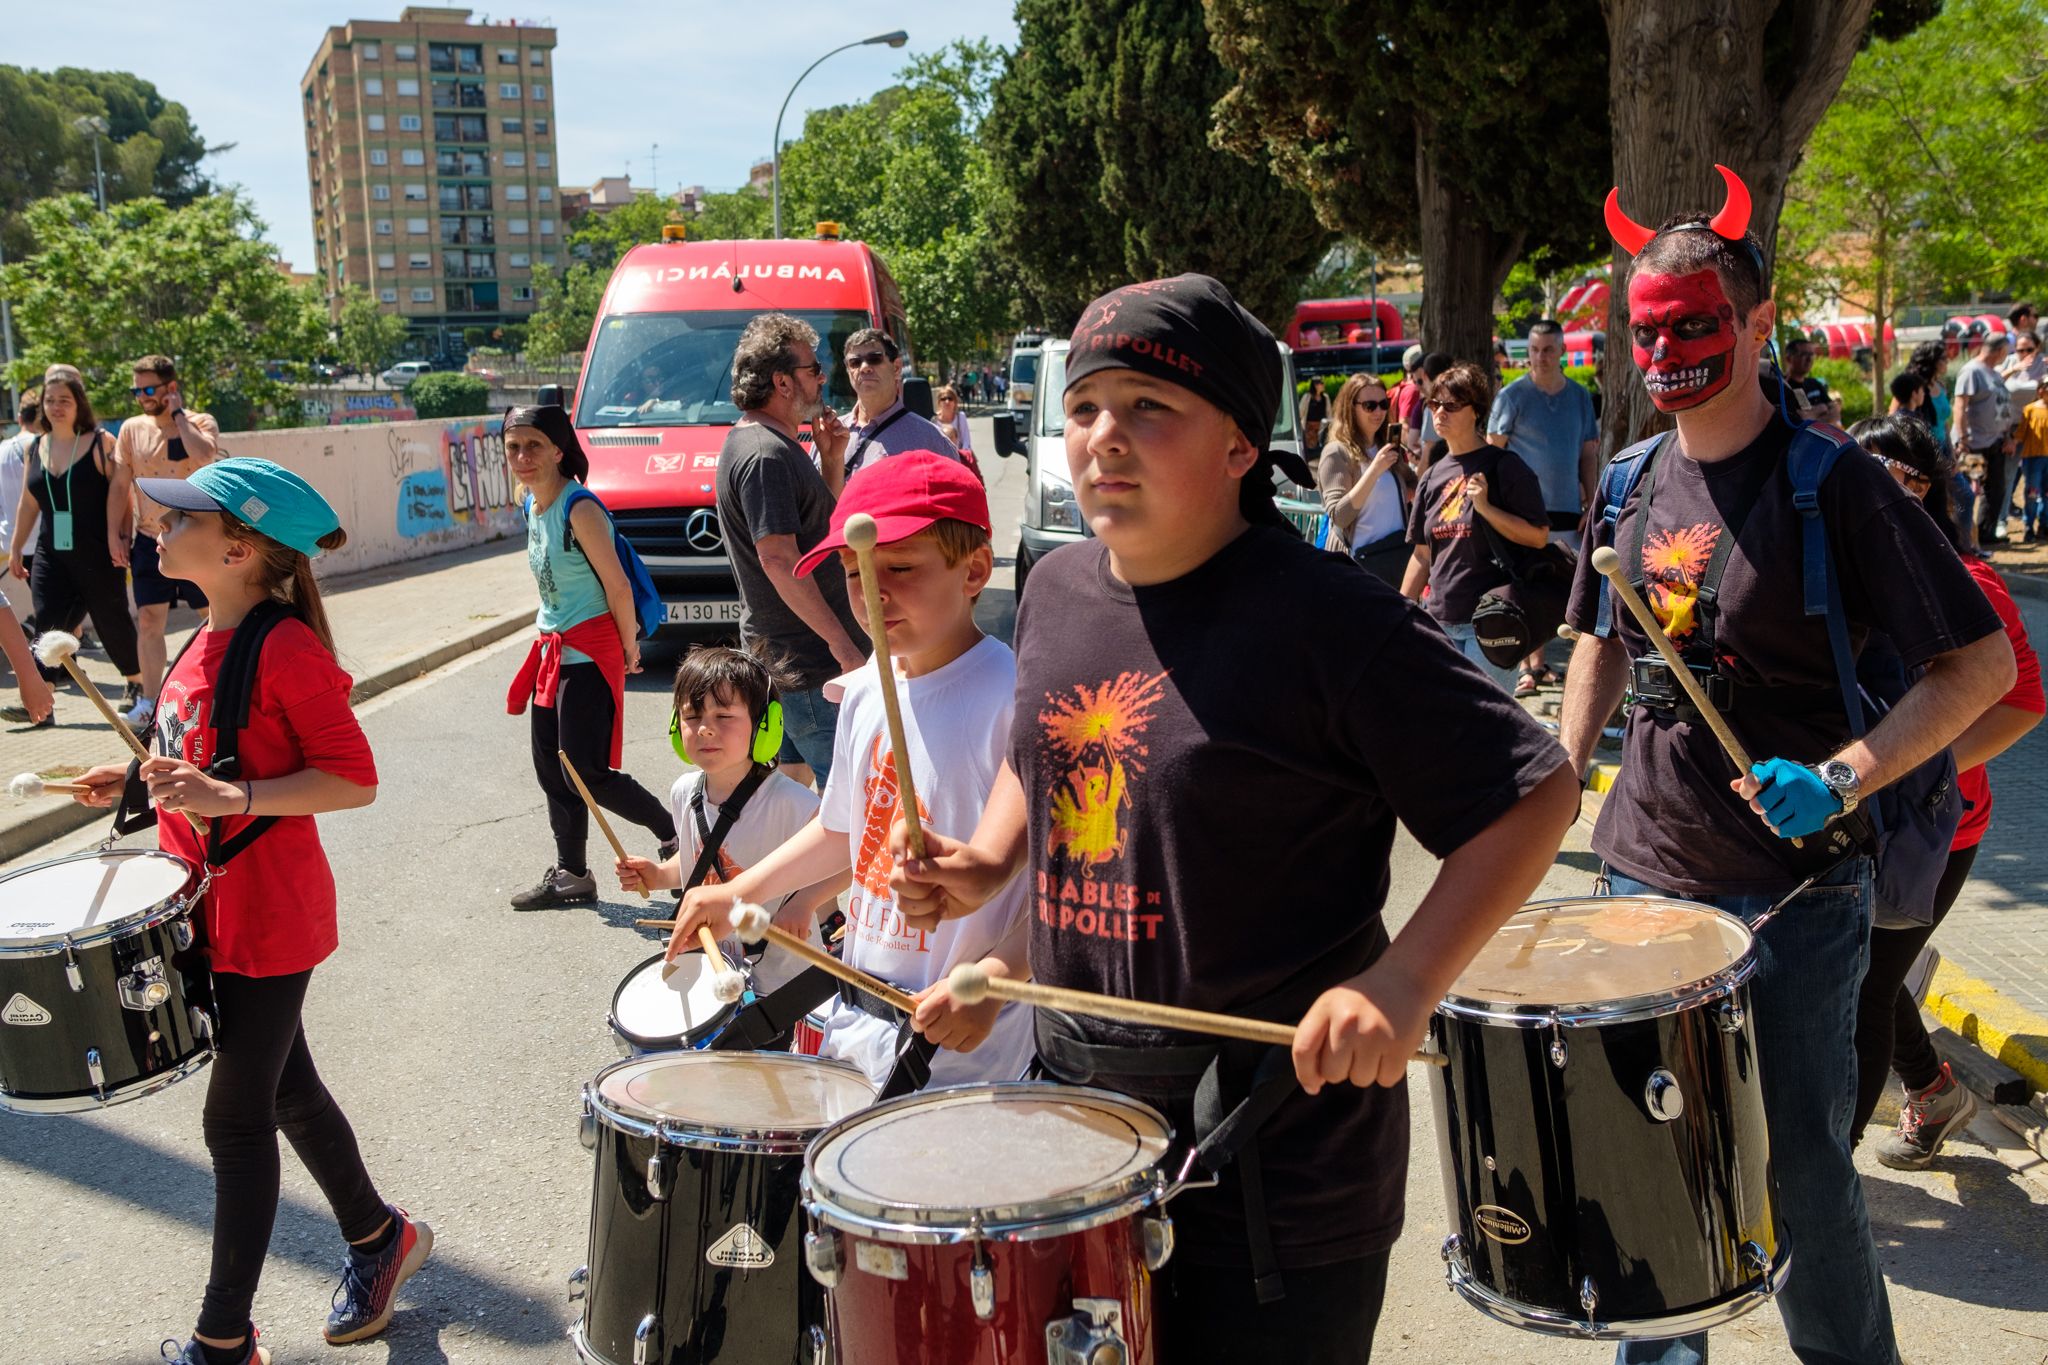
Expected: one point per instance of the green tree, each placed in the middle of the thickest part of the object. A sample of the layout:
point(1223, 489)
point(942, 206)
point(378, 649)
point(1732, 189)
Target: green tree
point(1904, 184)
point(1099, 130)
point(600, 239)
point(197, 283)
point(742, 215)
point(565, 309)
point(366, 337)
point(908, 173)
point(151, 147)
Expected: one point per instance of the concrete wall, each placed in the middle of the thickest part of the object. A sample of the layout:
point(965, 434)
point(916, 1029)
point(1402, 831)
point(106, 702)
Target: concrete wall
point(402, 489)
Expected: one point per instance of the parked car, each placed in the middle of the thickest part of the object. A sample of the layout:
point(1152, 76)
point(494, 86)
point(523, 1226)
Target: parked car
point(1052, 515)
point(401, 375)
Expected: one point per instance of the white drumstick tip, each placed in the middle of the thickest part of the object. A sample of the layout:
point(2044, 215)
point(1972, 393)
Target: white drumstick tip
point(25, 785)
point(53, 647)
point(1606, 562)
point(727, 987)
point(968, 983)
point(861, 532)
point(749, 921)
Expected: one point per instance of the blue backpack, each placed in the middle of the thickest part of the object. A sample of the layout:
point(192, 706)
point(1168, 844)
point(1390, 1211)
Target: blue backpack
point(1911, 823)
point(648, 609)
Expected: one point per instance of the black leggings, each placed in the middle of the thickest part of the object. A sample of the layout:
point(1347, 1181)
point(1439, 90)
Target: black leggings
point(1327, 1314)
point(69, 585)
point(263, 1081)
point(580, 725)
point(1889, 1034)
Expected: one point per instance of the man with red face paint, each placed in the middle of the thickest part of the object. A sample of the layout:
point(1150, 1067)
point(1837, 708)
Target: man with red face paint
point(1709, 532)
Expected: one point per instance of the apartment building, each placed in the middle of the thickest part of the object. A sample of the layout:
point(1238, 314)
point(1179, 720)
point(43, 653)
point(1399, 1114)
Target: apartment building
point(430, 157)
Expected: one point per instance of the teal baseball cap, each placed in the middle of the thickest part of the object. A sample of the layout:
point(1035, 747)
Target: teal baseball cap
point(267, 497)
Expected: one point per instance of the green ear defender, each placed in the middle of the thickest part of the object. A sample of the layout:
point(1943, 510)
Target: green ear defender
point(767, 736)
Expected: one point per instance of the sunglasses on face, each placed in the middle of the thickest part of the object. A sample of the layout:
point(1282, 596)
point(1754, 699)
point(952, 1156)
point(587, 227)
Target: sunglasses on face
point(813, 368)
point(149, 390)
point(865, 359)
point(1370, 404)
point(1912, 479)
point(1446, 404)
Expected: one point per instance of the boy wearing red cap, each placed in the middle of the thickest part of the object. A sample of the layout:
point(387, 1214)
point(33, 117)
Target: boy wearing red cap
point(1205, 779)
point(956, 688)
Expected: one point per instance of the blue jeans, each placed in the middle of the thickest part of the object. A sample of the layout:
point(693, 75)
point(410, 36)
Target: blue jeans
point(1812, 957)
point(2034, 471)
point(808, 722)
point(1467, 641)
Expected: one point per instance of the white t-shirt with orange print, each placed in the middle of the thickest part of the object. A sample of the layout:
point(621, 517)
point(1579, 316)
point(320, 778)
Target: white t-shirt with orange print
point(956, 722)
point(773, 815)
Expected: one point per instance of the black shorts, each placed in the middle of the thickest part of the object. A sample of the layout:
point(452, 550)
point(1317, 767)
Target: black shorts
point(152, 589)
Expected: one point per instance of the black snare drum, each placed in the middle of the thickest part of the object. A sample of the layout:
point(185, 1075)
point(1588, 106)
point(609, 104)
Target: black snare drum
point(102, 997)
point(1605, 1157)
point(696, 1249)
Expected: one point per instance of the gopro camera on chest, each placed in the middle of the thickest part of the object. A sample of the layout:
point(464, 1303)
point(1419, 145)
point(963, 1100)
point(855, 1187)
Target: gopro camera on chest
point(1652, 683)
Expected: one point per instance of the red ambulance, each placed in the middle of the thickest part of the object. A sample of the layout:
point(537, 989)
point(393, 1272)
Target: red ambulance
point(654, 400)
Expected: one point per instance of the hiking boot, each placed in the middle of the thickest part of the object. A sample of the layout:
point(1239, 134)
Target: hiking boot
point(557, 887)
point(1925, 1122)
point(369, 1283)
point(195, 1354)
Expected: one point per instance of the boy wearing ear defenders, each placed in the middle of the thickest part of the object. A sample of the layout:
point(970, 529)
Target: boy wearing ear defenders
point(727, 724)
point(957, 690)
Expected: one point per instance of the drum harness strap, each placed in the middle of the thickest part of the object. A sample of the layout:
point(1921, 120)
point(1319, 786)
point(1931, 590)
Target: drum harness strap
point(233, 690)
point(1205, 1074)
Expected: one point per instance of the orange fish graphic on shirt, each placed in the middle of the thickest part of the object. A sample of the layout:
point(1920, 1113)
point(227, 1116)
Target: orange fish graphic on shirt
point(883, 800)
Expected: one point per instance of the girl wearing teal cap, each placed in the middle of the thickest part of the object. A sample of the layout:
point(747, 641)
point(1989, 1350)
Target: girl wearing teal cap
point(244, 532)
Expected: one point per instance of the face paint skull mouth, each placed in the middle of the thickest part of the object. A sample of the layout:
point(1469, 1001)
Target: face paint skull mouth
point(1673, 385)
point(1682, 329)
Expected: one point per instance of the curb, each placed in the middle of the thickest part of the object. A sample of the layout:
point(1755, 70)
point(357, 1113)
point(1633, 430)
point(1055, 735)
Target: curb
point(15, 840)
point(1995, 1024)
point(2026, 585)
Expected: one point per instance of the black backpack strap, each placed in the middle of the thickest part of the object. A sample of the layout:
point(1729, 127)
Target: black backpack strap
point(134, 813)
point(728, 816)
point(233, 691)
point(766, 1022)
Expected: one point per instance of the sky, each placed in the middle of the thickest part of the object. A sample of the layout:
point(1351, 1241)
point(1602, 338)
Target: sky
point(702, 80)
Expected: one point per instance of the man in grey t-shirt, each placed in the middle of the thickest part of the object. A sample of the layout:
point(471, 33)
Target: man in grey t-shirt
point(774, 505)
point(1984, 421)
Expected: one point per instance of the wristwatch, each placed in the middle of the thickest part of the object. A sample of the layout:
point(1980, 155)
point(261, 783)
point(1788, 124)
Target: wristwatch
point(1841, 779)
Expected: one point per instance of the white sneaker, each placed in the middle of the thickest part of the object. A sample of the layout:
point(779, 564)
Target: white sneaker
point(141, 716)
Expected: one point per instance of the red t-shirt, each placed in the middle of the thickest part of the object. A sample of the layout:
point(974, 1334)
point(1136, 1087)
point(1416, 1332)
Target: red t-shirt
point(270, 912)
point(2026, 694)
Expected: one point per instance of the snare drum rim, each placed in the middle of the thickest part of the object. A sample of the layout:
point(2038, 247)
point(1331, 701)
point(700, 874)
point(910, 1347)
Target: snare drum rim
point(87, 1103)
point(667, 1042)
point(1623, 1009)
point(1057, 1216)
point(135, 922)
point(683, 1133)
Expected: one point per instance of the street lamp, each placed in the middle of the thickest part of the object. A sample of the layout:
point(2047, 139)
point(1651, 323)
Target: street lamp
point(97, 126)
point(896, 39)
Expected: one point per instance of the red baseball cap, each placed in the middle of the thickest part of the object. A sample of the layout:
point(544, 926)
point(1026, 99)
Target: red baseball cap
point(904, 494)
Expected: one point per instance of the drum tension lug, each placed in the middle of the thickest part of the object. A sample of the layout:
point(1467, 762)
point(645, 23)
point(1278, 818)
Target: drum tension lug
point(1559, 1053)
point(1589, 1299)
point(97, 1072)
point(821, 1254)
point(1753, 1256)
point(647, 1341)
point(71, 972)
point(1730, 1016)
point(579, 1283)
point(654, 1176)
point(981, 1280)
point(820, 1352)
point(586, 1126)
point(1158, 1234)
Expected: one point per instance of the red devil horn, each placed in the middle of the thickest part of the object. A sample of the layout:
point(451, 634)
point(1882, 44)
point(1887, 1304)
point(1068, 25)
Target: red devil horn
point(1632, 236)
point(1733, 219)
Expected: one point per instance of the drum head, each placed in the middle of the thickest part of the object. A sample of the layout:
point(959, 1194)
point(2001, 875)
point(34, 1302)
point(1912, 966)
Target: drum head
point(650, 1010)
point(1019, 1153)
point(764, 1096)
point(88, 893)
point(1600, 954)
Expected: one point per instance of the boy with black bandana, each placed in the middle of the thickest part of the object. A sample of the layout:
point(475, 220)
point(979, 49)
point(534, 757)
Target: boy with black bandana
point(1716, 498)
point(1206, 779)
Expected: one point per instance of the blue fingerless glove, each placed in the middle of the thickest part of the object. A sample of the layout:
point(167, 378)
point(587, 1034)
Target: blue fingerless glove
point(1795, 801)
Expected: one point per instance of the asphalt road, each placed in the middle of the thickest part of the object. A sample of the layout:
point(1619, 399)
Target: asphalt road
point(456, 1034)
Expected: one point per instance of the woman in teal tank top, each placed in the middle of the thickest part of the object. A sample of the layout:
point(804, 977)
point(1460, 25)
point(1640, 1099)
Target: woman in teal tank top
point(587, 641)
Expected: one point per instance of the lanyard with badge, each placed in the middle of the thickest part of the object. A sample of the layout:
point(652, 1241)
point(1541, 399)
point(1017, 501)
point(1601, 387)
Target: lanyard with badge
point(60, 518)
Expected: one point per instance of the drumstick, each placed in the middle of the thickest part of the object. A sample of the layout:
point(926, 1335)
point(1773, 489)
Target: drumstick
point(752, 924)
point(596, 814)
point(861, 535)
point(28, 784)
point(57, 647)
point(1608, 564)
point(971, 984)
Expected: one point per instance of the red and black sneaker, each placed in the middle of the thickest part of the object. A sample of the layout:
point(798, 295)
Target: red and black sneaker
point(369, 1283)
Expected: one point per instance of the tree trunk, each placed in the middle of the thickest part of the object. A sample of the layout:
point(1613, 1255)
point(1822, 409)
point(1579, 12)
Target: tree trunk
point(1464, 263)
point(1686, 88)
point(1880, 311)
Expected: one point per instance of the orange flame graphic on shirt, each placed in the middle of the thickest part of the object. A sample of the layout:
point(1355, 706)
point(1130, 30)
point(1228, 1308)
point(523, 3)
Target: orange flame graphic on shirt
point(1673, 564)
point(1453, 505)
point(1096, 738)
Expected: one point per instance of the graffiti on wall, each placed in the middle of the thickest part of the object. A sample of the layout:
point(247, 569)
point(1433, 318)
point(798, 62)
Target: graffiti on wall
point(464, 484)
point(354, 409)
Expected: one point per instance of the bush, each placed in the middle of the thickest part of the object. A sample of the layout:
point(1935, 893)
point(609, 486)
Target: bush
point(1850, 383)
point(473, 337)
point(443, 394)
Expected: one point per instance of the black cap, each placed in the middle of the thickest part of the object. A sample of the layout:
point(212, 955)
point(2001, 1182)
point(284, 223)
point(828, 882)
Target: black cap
point(1189, 331)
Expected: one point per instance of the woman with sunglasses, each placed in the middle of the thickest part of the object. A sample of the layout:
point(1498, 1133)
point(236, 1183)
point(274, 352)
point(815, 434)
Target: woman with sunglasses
point(1365, 481)
point(72, 514)
point(1889, 1034)
point(1475, 500)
